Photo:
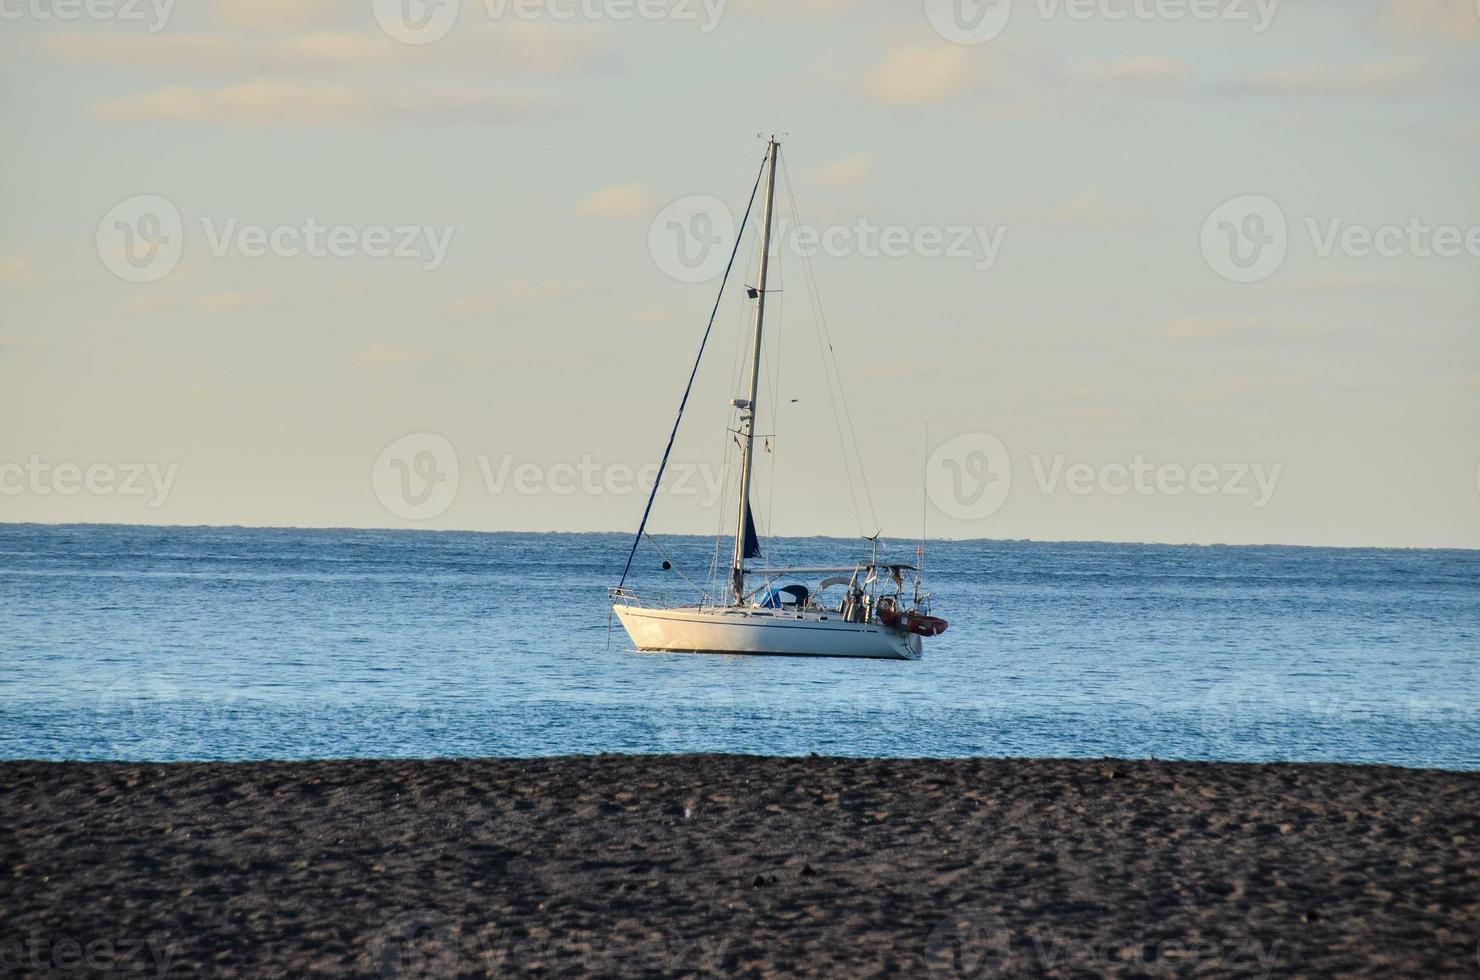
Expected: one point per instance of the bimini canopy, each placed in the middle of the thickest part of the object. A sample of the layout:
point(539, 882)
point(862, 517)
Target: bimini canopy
point(786, 595)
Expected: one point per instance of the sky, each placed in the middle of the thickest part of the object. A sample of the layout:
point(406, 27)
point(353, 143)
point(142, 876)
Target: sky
point(1128, 270)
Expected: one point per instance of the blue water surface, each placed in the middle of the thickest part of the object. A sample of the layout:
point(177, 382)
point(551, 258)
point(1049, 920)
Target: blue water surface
point(232, 643)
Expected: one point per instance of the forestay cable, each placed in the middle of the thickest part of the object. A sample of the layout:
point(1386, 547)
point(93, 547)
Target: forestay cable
point(689, 388)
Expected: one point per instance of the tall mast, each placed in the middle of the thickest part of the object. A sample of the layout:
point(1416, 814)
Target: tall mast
point(749, 409)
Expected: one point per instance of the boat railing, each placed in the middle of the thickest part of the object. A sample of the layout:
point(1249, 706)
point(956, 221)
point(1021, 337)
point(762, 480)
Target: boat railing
point(659, 600)
point(647, 600)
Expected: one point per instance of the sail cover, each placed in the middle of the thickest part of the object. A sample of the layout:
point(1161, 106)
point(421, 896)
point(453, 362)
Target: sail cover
point(752, 540)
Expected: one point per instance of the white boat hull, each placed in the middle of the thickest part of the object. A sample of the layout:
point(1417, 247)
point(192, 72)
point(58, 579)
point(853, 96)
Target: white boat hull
point(764, 632)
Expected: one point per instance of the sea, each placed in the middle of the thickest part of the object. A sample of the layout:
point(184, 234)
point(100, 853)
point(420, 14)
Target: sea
point(159, 643)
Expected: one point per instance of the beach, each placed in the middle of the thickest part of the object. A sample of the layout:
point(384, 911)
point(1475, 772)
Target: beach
point(738, 866)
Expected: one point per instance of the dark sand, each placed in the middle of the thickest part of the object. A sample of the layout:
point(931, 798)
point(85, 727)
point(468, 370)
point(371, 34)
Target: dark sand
point(754, 867)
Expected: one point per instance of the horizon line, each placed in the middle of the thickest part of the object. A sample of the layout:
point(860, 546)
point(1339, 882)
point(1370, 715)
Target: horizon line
point(628, 533)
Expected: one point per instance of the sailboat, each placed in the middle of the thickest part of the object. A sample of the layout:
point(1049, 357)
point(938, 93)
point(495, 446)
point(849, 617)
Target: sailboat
point(773, 611)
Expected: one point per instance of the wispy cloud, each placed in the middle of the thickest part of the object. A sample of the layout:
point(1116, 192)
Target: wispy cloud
point(1140, 74)
point(149, 303)
point(16, 271)
point(918, 75)
point(1011, 82)
point(226, 54)
point(1090, 209)
point(230, 301)
point(1371, 78)
point(620, 201)
point(851, 171)
point(519, 47)
point(468, 306)
point(1330, 284)
point(522, 293)
point(280, 15)
point(793, 10)
point(1455, 20)
point(285, 103)
point(1199, 328)
point(385, 353)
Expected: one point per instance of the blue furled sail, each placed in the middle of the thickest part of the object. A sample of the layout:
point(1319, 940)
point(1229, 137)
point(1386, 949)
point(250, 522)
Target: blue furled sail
point(752, 540)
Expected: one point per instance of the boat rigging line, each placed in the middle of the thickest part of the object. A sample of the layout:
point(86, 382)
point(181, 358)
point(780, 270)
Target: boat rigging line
point(689, 388)
point(830, 369)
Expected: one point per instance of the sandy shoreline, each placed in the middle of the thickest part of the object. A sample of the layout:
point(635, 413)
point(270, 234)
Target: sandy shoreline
point(737, 866)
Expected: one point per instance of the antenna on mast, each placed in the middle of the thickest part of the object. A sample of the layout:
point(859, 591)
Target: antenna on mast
point(924, 512)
